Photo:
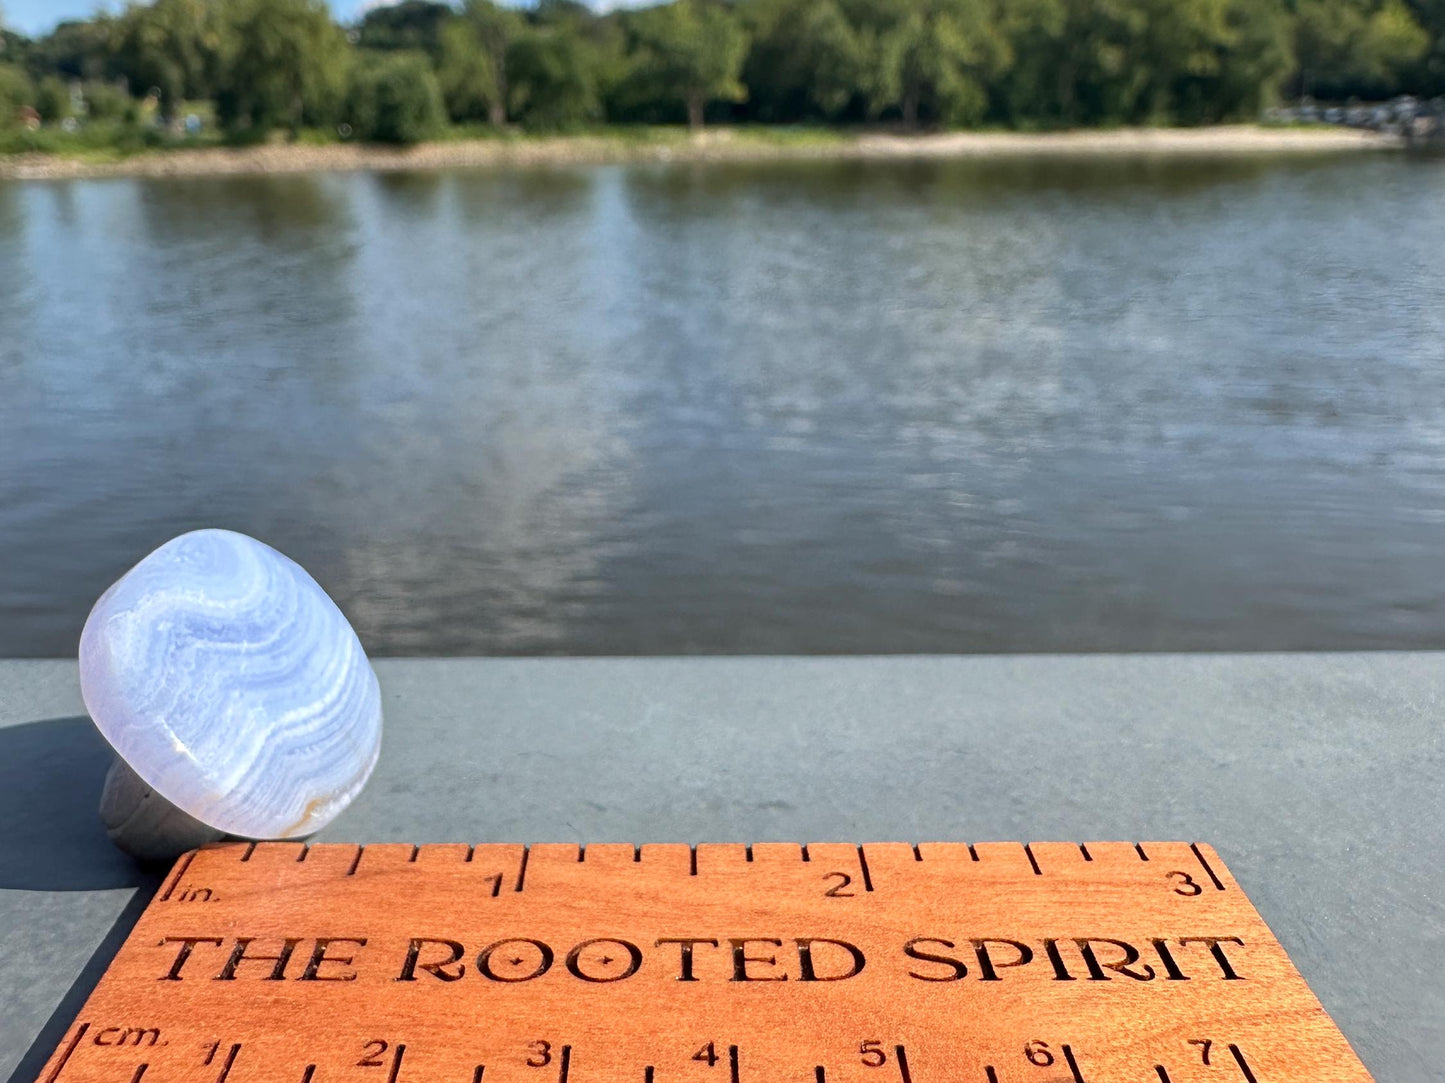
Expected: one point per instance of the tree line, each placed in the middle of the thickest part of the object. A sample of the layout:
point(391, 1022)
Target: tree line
point(403, 72)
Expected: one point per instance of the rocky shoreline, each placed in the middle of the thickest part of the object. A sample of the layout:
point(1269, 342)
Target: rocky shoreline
point(720, 145)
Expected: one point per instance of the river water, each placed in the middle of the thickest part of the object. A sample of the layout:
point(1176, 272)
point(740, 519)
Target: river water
point(818, 407)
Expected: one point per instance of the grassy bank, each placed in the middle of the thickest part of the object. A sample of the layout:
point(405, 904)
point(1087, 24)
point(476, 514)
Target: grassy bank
point(478, 148)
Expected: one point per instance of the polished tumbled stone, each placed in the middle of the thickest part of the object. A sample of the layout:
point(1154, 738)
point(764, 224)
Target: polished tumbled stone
point(233, 686)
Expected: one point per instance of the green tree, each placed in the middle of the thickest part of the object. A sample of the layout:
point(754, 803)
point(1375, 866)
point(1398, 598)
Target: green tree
point(1033, 90)
point(6, 37)
point(1116, 61)
point(411, 24)
point(806, 61)
point(52, 99)
point(1254, 63)
point(394, 98)
point(76, 49)
point(938, 60)
point(14, 47)
point(1355, 47)
point(282, 63)
point(169, 45)
point(16, 92)
point(696, 50)
point(1096, 82)
point(607, 43)
point(1427, 76)
point(553, 78)
point(1197, 61)
point(1169, 41)
point(473, 66)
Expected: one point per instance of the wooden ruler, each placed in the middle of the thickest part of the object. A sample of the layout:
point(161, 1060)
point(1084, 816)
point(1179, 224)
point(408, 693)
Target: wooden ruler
point(775, 963)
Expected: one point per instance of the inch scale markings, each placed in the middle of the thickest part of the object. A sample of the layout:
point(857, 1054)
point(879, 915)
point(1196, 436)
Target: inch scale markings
point(825, 963)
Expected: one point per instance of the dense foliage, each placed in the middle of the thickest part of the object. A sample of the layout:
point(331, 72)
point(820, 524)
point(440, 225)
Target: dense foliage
point(405, 69)
point(395, 99)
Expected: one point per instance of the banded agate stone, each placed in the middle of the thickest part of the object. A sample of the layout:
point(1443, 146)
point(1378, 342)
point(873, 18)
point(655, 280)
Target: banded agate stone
point(232, 687)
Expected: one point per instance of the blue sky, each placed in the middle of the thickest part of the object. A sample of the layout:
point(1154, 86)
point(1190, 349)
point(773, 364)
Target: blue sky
point(37, 16)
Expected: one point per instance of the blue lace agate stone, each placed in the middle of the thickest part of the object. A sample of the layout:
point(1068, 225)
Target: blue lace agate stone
point(233, 686)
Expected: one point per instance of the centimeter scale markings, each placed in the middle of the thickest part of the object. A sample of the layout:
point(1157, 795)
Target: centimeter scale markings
point(774, 963)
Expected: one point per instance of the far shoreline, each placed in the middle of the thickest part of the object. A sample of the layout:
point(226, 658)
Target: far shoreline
point(713, 145)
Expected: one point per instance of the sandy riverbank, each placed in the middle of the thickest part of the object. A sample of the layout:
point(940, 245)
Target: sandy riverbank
point(715, 145)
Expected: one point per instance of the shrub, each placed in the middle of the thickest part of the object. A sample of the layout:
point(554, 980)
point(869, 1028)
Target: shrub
point(105, 101)
point(394, 99)
point(52, 99)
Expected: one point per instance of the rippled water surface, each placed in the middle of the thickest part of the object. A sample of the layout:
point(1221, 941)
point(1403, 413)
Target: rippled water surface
point(1021, 406)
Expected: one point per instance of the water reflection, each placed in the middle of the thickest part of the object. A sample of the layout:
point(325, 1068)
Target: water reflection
point(15, 298)
point(933, 406)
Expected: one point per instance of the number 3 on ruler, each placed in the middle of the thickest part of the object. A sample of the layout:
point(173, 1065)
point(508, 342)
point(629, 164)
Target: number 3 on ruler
point(1185, 882)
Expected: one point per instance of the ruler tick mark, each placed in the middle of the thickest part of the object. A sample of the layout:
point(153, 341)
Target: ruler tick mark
point(251, 849)
point(692, 866)
point(806, 856)
point(305, 849)
point(1085, 851)
point(1243, 1064)
point(566, 1064)
point(176, 879)
point(1029, 850)
point(415, 850)
point(647, 1074)
point(1139, 849)
point(69, 1049)
point(972, 853)
point(992, 1075)
point(1218, 884)
point(1162, 1073)
point(748, 851)
point(1073, 1064)
point(733, 1063)
point(522, 870)
point(230, 1060)
point(819, 1075)
point(863, 866)
point(917, 854)
point(140, 1071)
point(396, 1064)
point(306, 1075)
point(471, 853)
point(903, 1072)
point(355, 861)
point(480, 1071)
point(636, 852)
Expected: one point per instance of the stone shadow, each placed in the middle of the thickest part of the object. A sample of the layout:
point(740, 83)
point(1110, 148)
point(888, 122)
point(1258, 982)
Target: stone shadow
point(51, 774)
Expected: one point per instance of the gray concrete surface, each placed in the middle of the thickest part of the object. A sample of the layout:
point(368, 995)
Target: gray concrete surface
point(1320, 778)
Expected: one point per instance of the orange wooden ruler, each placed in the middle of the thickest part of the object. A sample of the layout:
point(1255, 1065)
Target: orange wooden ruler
point(775, 963)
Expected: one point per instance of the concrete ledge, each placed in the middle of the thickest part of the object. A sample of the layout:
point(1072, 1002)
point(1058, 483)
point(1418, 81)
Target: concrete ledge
point(1320, 778)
